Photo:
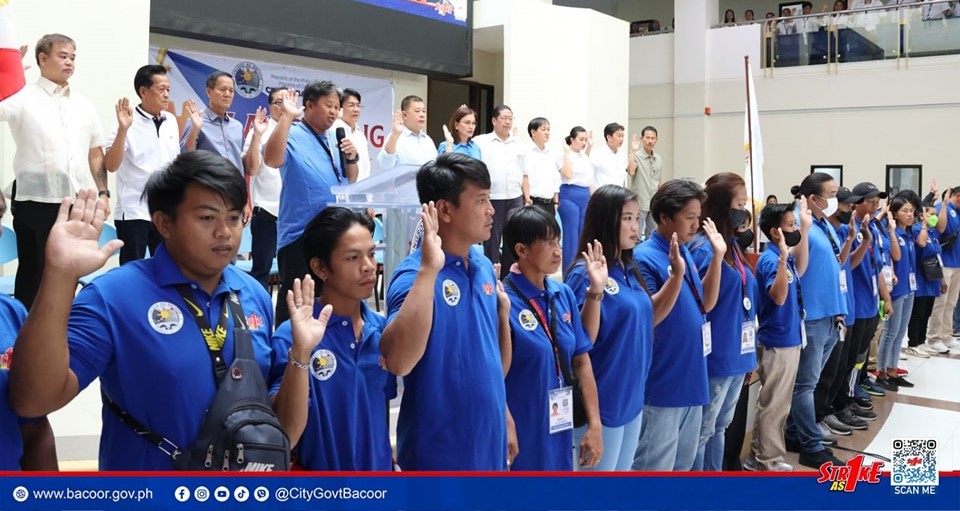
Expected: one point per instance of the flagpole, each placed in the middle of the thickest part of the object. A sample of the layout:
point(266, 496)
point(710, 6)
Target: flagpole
point(753, 181)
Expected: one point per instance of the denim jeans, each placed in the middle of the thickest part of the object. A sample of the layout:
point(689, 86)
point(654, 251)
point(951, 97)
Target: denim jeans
point(724, 393)
point(888, 353)
point(619, 446)
point(668, 438)
point(572, 208)
point(263, 230)
point(822, 336)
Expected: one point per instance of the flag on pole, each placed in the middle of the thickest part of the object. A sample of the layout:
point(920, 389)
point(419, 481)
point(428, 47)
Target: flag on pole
point(11, 67)
point(754, 147)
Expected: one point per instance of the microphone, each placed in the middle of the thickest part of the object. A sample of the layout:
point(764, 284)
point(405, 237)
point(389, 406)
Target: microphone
point(342, 134)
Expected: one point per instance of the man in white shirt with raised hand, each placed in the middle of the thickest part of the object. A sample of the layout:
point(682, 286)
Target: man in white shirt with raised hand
point(350, 108)
point(408, 142)
point(612, 164)
point(59, 152)
point(265, 185)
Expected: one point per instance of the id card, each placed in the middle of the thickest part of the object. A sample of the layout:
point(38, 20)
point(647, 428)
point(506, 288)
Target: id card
point(843, 281)
point(803, 335)
point(748, 338)
point(888, 276)
point(560, 411)
point(876, 292)
point(913, 281)
point(707, 338)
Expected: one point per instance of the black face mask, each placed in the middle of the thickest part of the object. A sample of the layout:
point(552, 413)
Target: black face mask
point(738, 217)
point(792, 238)
point(745, 239)
point(843, 217)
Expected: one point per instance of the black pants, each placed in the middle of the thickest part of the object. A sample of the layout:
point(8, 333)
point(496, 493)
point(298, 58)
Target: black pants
point(491, 247)
point(736, 432)
point(137, 236)
point(291, 266)
point(32, 222)
point(864, 348)
point(545, 205)
point(917, 328)
point(831, 380)
point(263, 232)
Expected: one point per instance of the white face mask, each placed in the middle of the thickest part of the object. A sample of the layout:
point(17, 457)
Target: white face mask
point(831, 206)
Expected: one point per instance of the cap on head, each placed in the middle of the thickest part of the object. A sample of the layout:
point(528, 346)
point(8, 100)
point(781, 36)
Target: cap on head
point(845, 196)
point(868, 190)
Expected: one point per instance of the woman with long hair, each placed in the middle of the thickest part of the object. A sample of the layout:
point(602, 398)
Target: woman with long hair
point(905, 269)
point(458, 133)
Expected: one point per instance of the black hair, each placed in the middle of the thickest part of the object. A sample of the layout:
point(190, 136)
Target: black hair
point(911, 196)
point(165, 190)
point(955, 190)
point(319, 89)
point(216, 75)
point(527, 225)
point(898, 202)
point(811, 185)
point(272, 95)
point(497, 110)
point(323, 233)
point(721, 189)
point(144, 76)
point(673, 196)
point(349, 93)
point(576, 130)
point(602, 222)
point(446, 177)
point(612, 128)
point(405, 103)
point(771, 196)
point(771, 216)
point(648, 128)
point(535, 124)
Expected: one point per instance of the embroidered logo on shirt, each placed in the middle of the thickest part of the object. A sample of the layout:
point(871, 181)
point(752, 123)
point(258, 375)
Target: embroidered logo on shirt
point(165, 318)
point(323, 364)
point(254, 321)
point(451, 292)
point(612, 287)
point(249, 79)
point(859, 237)
point(566, 317)
point(488, 289)
point(6, 359)
point(789, 277)
point(527, 320)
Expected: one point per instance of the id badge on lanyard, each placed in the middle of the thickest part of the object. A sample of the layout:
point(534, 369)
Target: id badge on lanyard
point(707, 336)
point(748, 338)
point(913, 281)
point(843, 281)
point(560, 411)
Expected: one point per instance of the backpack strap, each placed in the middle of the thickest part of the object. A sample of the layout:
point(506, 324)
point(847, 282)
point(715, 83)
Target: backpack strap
point(163, 443)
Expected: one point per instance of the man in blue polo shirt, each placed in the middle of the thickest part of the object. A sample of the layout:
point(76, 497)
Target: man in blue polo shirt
point(309, 165)
point(137, 327)
point(941, 319)
point(447, 347)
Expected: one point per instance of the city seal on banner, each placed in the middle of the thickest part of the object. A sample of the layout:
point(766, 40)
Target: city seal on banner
point(249, 79)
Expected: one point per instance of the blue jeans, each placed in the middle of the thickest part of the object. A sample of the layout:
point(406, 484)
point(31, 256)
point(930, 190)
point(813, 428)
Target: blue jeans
point(619, 446)
point(822, 336)
point(888, 353)
point(724, 393)
point(263, 245)
point(573, 207)
point(668, 438)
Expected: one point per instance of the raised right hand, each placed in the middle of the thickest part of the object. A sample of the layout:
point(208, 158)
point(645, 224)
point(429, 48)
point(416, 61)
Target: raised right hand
point(431, 251)
point(124, 114)
point(448, 137)
point(73, 244)
point(260, 123)
point(196, 113)
point(398, 122)
point(289, 107)
point(307, 330)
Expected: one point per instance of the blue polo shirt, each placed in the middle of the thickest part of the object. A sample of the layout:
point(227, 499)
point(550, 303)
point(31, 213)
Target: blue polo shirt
point(843, 230)
point(453, 414)
point(779, 324)
point(907, 264)
point(220, 135)
point(347, 422)
point(12, 315)
point(470, 149)
point(308, 172)
point(533, 372)
point(132, 329)
point(624, 348)
point(821, 286)
point(951, 258)
point(678, 369)
point(866, 276)
point(927, 287)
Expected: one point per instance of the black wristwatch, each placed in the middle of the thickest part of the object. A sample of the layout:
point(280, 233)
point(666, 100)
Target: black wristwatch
point(104, 193)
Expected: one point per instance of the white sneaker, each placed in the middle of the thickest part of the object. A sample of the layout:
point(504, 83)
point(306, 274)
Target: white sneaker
point(938, 347)
point(782, 467)
point(929, 349)
point(954, 344)
point(916, 351)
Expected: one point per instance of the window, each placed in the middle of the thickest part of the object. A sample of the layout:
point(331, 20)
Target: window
point(904, 177)
point(834, 170)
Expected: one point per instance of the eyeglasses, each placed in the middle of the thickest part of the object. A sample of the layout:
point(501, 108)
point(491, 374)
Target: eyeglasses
point(353, 106)
point(277, 102)
point(506, 119)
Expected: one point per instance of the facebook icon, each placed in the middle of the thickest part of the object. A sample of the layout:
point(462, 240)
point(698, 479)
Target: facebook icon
point(182, 494)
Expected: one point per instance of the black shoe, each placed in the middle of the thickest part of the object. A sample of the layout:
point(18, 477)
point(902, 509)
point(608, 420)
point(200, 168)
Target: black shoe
point(902, 382)
point(792, 445)
point(847, 417)
point(863, 413)
point(864, 403)
point(815, 459)
point(889, 384)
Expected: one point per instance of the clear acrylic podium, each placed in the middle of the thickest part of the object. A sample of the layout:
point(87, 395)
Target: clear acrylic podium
point(395, 193)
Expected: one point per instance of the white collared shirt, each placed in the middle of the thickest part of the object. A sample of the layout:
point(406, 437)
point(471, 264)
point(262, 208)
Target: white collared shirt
point(583, 173)
point(265, 186)
point(542, 168)
point(610, 167)
point(54, 130)
point(360, 142)
point(502, 158)
point(146, 149)
point(412, 149)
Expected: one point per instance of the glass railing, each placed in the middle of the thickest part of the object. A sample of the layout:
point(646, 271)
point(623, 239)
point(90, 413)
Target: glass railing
point(915, 29)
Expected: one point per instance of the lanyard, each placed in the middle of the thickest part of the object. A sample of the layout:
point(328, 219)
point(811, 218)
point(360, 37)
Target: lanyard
point(791, 266)
point(549, 328)
point(214, 339)
point(688, 278)
point(743, 284)
point(326, 147)
point(822, 223)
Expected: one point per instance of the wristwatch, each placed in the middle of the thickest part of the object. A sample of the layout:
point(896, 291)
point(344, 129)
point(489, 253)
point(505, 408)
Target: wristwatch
point(594, 296)
point(104, 193)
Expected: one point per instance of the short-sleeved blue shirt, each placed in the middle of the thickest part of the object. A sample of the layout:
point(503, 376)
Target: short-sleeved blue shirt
point(678, 370)
point(12, 315)
point(533, 371)
point(308, 172)
point(622, 353)
point(866, 276)
point(843, 231)
point(453, 413)
point(347, 423)
point(220, 135)
point(779, 324)
point(927, 287)
point(132, 329)
point(907, 265)
point(951, 257)
point(470, 149)
point(822, 296)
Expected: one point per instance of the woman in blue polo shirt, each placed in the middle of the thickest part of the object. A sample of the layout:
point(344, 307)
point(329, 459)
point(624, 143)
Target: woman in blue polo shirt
point(329, 387)
point(623, 324)
point(929, 284)
point(458, 133)
point(550, 349)
point(732, 320)
point(905, 269)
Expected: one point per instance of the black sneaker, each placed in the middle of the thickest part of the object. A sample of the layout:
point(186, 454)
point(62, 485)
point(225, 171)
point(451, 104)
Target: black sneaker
point(792, 445)
point(847, 417)
point(863, 413)
point(815, 459)
point(864, 403)
point(902, 382)
point(889, 384)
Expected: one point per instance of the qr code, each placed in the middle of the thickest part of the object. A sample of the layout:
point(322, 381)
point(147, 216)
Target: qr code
point(914, 462)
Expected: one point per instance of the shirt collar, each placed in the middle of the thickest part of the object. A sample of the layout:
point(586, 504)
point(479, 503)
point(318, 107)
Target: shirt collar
point(408, 131)
point(145, 115)
point(212, 116)
point(167, 273)
point(369, 320)
point(527, 289)
point(52, 88)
